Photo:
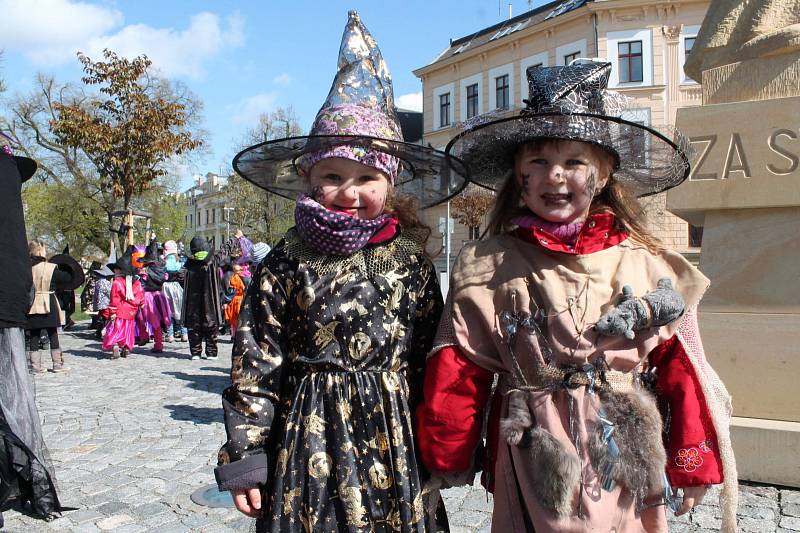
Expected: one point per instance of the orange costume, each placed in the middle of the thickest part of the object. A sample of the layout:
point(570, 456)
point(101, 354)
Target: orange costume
point(232, 309)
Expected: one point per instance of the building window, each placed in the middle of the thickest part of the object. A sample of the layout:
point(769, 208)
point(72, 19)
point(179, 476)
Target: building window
point(213, 216)
point(207, 218)
point(472, 100)
point(501, 91)
point(688, 43)
point(630, 61)
point(569, 58)
point(474, 232)
point(444, 110)
point(695, 236)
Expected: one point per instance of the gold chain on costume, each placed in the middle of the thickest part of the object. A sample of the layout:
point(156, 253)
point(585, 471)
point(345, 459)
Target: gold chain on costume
point(369, 260)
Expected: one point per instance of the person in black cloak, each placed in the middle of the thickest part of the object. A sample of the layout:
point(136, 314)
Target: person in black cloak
point(202, 312)
point(87, 295)
point(27, 480)
point(66, 299)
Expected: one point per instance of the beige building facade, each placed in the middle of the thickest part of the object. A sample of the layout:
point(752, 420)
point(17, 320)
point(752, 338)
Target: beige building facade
point(206, 210)
point(645, 40)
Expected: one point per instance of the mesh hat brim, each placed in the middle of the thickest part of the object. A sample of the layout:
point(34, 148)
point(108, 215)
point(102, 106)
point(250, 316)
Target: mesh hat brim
point(431, 176)
point(649, 160)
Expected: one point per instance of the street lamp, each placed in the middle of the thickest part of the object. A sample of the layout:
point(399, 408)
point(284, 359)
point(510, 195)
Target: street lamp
point(228, 221)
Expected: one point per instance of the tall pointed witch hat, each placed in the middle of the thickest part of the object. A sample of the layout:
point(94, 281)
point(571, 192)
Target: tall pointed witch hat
point(357, 121)
point(151, 253)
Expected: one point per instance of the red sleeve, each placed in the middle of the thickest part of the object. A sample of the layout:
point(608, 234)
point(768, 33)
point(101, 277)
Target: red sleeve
point(450, 417)
point(117, 296)
point(690, 440)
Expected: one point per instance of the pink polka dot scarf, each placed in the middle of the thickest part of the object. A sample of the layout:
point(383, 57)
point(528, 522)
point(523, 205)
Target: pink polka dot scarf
point(333, 233)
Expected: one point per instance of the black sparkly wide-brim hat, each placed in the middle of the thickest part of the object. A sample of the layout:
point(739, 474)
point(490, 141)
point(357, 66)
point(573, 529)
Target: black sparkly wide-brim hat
point(358, 121)
point(573, 103)
point(429, 175)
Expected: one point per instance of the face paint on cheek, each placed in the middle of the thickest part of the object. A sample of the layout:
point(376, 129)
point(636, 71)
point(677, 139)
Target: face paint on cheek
point(591, 183)
point(526, 182)
point(317, 194)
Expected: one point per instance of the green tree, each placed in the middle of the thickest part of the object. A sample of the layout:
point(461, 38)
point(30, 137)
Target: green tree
point(169, 215)
point(132, 131)
point(67, 180)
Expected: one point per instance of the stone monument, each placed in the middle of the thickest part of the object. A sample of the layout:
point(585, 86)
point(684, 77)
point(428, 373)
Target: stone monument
point(745, 191)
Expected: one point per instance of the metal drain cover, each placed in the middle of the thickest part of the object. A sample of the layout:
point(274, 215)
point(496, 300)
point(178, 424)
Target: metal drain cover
point(210, 496)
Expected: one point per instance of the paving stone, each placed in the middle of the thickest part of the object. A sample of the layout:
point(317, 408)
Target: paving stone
point(791, 509)
point(130, 528)
point(706, 521)
point(751, 525)
point(791, 523)
point(84, 515)
point(129, 459)
point(107, 524)
point(88, 527)
point(113, 508)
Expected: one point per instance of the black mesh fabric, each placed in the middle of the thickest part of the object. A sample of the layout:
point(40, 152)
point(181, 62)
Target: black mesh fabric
point(573, 103)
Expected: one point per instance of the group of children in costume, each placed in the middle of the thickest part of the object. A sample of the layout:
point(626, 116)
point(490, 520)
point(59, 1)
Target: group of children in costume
point(149, 295)
point(356, 392)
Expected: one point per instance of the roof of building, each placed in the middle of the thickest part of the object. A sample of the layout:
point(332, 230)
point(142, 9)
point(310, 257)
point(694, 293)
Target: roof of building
point(410, 124)
point(508, 27)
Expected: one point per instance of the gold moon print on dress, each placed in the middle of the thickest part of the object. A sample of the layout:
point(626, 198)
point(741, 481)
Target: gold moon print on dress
point(390, 383)
point(379, 476)
point(360, 345)
point(319, 465)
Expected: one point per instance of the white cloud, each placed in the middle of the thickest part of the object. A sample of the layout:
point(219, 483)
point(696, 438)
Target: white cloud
point(282, 79)
point(176, 53)
point(59, 28)
point(410, 101)
point(247, 111)
point(53, 31)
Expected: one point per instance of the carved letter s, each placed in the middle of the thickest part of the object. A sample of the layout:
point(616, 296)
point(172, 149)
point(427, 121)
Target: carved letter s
point(793, 159)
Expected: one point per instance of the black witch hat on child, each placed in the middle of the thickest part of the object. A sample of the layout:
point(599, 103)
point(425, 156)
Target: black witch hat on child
point(124, 263)
point(151, 253)
point(574, 103)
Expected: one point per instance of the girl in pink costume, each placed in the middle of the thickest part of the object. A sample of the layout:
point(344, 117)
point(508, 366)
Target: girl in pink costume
point(127, 297)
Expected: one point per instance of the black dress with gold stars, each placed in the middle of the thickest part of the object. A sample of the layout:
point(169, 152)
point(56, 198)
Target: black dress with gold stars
point(326, 373)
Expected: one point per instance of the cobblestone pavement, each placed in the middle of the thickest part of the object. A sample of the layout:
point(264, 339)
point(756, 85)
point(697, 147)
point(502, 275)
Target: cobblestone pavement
point(132, 439)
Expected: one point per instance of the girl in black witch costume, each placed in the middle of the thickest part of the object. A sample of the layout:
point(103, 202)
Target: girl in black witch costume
point(328, 358)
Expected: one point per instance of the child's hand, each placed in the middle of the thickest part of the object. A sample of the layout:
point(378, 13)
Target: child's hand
point(692, 496)
point(248, 501)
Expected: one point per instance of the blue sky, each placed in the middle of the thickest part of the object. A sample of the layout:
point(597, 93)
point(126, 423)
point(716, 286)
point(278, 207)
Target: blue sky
point(240, 57)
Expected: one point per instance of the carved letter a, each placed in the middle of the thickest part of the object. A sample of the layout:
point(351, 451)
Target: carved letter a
point(735, 148)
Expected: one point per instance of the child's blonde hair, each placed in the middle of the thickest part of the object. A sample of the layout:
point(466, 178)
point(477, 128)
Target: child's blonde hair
point(614, 198)
point(36, 248)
